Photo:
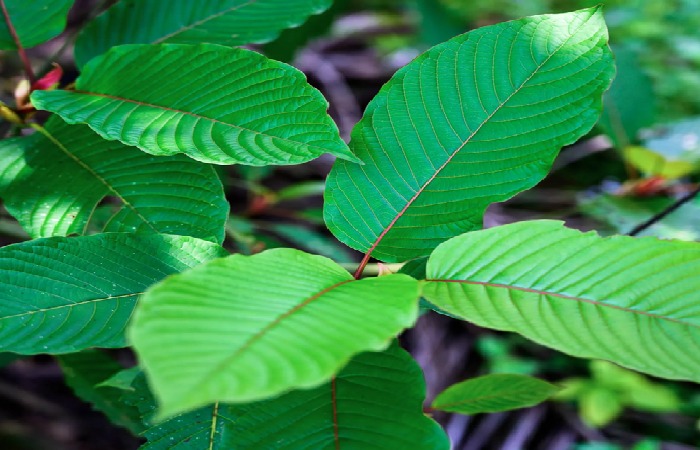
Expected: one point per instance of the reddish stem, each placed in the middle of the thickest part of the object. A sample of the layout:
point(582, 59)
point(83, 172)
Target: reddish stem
point(22, 53)
point(363, 263)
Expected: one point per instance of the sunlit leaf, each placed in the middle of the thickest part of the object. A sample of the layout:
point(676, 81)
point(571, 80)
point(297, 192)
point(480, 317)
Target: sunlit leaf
point(246, 328)
point(632, 301)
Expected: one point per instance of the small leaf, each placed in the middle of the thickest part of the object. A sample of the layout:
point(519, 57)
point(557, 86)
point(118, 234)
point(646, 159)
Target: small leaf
point(599, 406)
point(123, 379)
point(53, 183)
point(215, 104)
point(84, 371)
point(565, 289)
point(60, 295)
point(494, 393)
point(245, 328)
point(374, 403)
point(225, 22)
point(472, 121)
point(35, 21)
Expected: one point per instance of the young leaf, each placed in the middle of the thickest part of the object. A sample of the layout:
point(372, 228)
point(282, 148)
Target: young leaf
point(374, 403)
point(627, 300)
point(494, 393)
point(470, 122)
point(246, 328)
point(60, 295)
point(52, 184)
point(84, 371)
point(225, 22)
point(216, 104)
point(34, 21)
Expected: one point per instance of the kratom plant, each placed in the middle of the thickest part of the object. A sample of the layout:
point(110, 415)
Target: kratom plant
point(285, 349)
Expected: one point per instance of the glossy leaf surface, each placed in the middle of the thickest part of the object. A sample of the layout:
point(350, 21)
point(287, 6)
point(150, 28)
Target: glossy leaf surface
point(375, 403)
point(215, 104)
point(35, 21)
point(493, 393)
point(471, 122)
point(245, 328)
point(565, 289)
point(60, 295)
point(225, 22)
point(53, 183)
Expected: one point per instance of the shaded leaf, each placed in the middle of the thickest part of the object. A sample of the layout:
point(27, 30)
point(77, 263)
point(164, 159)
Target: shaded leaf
point(53, 183)
point(561, 288)
point(225, 22)
point(35, 21)
point(215, 104)
point(294, 320)
point(60, 295)
point(375, 403)
point(472, 121)
point(84, 371)
point(494, 393)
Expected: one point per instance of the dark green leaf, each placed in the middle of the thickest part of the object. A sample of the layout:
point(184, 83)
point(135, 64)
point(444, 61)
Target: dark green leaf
point(226, 22)
point(215, 104)
point(473, 121)
point(35, 21)
point(60, 295)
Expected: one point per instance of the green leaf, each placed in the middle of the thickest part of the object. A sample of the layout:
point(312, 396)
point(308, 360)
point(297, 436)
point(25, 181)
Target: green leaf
point(123, 379)
point(470, 122)
point(225, 22)
point(84, 371)
point(632, 301)
point(294, 321)
point(374, 403)
point(215, 104)
point(60, 295)
point(53, 183)
point(311, 240)
point(599, 406)
point(494, 393)
point(35, 21)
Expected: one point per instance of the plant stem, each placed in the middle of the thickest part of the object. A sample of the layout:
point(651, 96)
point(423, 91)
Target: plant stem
point(363, 263)
point(668, 210)
point(22, 53)
point(372, 269)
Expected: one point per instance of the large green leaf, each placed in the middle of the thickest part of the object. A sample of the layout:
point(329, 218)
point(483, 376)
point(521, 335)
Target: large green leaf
point(216, 104)
point(34, 21)
point(470, 122)
point(52, 183)
point(494, 393)
point(632, 301)
point(246, 328)
point(60, 295)
point(375, 403)
point(84, 371)
point(225, 22)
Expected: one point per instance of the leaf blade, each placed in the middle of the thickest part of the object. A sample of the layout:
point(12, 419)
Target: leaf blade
point(215, 104)
point(445, 137)
point(62, 295)
point(231, 353)
point(646, 292)
point(34, 23)
point(184, 22)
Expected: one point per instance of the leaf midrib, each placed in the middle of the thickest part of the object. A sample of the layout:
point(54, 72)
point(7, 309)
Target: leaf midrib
point(97, 176)
point(266, 329)
point(566, 297)
point(201, 117)
point(71, 305)
point(201, 22)
point(466, 141)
